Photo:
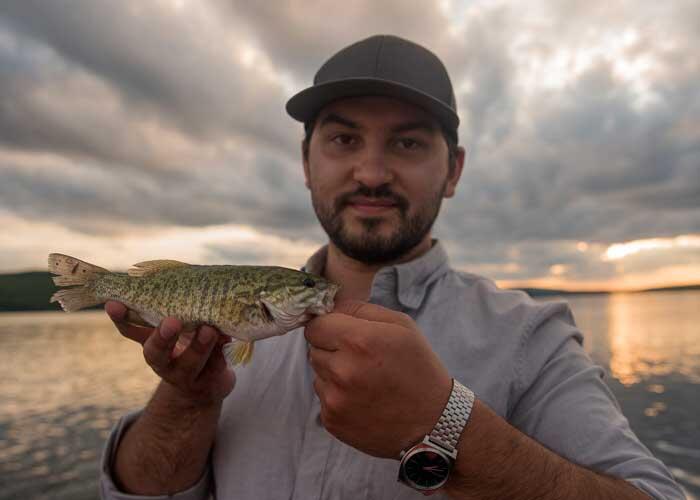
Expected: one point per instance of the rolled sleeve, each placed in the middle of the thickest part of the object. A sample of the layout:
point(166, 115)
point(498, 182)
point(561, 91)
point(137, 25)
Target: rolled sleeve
point(108, 489)
point(564, 404)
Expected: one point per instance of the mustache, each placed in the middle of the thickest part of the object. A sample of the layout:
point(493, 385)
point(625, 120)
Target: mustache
point(382, 192)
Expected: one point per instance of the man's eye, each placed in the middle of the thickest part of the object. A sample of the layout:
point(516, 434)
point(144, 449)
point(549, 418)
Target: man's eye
point(408, 144)
point(344, 139)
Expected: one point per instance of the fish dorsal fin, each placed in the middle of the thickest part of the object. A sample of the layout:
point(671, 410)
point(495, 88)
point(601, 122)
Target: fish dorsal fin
point(153, 266)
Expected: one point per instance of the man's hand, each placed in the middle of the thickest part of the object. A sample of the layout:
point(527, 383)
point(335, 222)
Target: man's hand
point(381, 386)
point(160, 454)
point(194, 365)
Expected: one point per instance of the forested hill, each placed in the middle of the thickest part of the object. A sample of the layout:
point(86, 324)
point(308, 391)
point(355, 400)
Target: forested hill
point(27, 292)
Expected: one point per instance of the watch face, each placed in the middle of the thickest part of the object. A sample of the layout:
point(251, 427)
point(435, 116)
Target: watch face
point(426, 469)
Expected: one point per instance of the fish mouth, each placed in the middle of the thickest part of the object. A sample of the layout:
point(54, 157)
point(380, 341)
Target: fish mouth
point(326, 304)
point(318, 310)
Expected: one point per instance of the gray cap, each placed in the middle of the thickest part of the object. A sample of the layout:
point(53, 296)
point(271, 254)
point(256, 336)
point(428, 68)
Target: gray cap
point(382, 65)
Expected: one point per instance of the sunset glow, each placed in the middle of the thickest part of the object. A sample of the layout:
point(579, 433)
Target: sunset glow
point(621, 250)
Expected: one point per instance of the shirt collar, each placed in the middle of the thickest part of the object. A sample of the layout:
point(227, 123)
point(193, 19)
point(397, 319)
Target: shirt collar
point(317, 262)
point(408, 281)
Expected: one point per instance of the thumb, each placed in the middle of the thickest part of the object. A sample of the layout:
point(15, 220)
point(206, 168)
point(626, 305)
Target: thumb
point(349, 307)
point(373, 312)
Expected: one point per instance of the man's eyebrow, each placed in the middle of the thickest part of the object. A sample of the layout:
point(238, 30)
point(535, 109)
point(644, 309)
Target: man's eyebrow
point(426, 125)
point(334, 118)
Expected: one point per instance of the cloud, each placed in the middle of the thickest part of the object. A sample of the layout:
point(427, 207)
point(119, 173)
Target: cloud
point(587, 161)
point(30, 244)
point(581, 121)
point(298, 36)
point(50, 188)
point(182, 67)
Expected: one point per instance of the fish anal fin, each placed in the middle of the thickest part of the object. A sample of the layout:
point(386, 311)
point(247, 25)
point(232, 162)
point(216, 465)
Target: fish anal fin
point(153, 266)
point(238, 352)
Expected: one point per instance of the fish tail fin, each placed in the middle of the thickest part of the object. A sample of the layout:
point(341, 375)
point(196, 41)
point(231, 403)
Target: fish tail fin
point(237, 352)
point(72, 271)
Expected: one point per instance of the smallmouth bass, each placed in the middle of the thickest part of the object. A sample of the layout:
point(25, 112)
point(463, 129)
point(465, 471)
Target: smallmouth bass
point(247, 303)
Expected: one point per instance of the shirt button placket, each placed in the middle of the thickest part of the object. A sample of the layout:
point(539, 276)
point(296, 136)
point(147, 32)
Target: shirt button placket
point(314, 457)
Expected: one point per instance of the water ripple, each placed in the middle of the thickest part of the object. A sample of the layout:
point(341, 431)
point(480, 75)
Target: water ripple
point(66, 379)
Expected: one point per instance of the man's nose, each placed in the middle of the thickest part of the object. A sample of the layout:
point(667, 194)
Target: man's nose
point(372, 168)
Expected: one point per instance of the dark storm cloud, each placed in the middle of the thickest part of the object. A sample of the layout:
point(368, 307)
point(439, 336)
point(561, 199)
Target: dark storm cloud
point(299, 35)
point(588, 163)
point(112, 98)
point(65, 192)
point(63, 119)
point(161, 62)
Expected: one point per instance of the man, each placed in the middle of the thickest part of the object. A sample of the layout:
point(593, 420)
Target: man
point(438, 378)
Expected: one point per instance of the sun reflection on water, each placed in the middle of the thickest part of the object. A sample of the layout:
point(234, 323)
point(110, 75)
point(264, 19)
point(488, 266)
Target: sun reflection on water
point(653, 334)
point(64, 381)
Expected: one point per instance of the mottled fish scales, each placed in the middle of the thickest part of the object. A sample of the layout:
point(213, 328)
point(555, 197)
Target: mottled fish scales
point(247, 303)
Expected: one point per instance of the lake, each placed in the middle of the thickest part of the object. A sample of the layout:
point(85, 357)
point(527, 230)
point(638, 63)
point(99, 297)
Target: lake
point(66, 379)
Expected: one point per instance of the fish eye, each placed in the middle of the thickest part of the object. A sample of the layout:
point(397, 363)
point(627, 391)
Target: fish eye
point(309, 283)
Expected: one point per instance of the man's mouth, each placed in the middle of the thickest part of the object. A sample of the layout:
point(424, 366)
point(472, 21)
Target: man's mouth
point(371, 206)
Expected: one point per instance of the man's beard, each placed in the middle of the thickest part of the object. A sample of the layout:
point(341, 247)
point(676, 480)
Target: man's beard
point(368, 247)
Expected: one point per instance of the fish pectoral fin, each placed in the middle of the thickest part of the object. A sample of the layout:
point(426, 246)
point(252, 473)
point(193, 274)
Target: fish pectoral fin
point(134, 318)
point(238, 352)
point(153, 266)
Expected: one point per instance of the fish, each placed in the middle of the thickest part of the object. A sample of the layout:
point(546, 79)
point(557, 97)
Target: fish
point(246, 303)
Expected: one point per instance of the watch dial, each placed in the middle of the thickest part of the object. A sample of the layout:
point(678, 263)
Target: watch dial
point(426, 469)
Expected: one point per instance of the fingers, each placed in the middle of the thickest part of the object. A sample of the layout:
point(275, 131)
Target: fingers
point(350, 319)
point(319, 386)
point(190, 361)
point(321, 362)
point(117, 312)
point(186, 366)
point(216, 362)
point(193, 359)
point(158, 347)
point(322, 331)
point(373, 312)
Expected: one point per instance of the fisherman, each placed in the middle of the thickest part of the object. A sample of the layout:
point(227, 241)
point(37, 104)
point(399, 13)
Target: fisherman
point(421, 373)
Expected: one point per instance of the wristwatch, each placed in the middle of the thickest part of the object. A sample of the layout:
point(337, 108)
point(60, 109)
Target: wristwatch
point(426, 466)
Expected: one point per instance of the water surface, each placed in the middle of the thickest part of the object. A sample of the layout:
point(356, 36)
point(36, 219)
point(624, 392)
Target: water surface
point(65, 379)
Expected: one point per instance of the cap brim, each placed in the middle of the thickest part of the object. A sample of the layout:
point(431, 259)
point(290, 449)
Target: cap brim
point(306, 104)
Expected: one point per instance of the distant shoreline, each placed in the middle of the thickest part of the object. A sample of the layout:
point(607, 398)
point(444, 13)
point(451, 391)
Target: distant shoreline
point(30, 291)
point(544, 292)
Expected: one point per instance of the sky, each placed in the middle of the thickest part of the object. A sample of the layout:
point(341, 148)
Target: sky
point(139, 130)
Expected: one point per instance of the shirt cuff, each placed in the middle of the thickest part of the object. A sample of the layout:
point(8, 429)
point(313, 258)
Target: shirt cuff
point(109, 491)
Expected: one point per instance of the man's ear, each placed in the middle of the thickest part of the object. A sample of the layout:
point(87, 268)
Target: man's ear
point(456, 172)
point(305, 160)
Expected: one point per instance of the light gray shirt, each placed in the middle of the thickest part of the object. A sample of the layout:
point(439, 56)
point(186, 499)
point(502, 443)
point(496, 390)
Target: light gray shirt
point(523, 359)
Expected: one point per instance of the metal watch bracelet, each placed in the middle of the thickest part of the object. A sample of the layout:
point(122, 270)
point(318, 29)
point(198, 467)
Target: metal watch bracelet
point(454, 418)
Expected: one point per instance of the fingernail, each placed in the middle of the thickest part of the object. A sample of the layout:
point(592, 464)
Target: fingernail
point(167, 331)
point(206, 333)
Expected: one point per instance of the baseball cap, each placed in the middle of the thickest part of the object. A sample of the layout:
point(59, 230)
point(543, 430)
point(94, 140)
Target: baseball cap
point(381, 65)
